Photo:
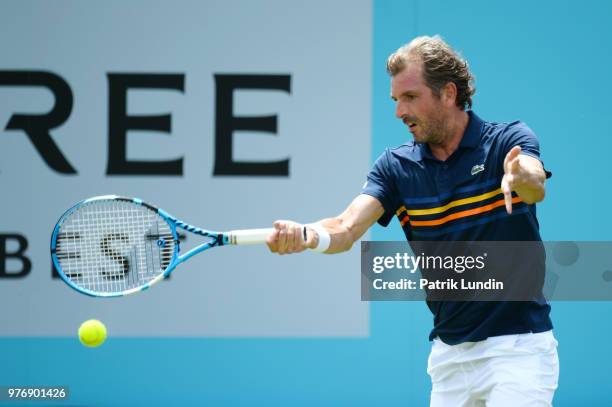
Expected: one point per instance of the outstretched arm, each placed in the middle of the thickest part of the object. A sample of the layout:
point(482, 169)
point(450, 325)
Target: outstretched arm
point(343, 230)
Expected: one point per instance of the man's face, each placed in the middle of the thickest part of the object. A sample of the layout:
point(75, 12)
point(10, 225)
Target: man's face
point(417, 106)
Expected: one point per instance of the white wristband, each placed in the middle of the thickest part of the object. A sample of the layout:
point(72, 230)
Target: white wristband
point(324, 237)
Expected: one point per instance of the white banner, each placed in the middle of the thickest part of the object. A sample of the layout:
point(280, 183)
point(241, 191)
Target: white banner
point(227, 114)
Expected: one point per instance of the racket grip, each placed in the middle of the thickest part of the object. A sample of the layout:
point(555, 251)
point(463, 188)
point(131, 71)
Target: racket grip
point(249, 236)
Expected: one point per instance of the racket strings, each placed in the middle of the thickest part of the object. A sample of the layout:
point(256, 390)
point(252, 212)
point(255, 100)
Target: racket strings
point(114, 246)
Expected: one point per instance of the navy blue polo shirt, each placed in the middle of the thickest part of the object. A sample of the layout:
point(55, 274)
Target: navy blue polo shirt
point(461, 199)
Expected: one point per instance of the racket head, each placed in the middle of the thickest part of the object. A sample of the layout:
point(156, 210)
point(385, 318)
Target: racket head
point(110, 246)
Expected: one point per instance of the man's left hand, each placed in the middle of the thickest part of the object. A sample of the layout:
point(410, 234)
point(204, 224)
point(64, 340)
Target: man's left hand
point(524, 175)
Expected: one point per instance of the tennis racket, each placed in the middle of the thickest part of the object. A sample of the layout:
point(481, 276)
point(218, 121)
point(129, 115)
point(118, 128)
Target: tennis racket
point(110, 246)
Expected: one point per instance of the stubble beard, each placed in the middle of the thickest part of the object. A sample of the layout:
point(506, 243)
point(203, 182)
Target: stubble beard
point(434, 130)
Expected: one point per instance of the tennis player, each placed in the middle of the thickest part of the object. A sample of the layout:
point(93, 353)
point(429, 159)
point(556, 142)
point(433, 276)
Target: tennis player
point(465, 179)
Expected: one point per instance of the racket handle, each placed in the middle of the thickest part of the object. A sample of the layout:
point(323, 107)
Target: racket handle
point(249, 236)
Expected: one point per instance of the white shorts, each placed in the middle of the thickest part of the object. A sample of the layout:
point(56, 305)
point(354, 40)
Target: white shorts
point(502, 371)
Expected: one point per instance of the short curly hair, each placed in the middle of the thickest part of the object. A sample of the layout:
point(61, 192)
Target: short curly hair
point(441, 65)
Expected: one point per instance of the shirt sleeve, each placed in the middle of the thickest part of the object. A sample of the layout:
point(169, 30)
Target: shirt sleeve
point(381, 185)
point(519, 134)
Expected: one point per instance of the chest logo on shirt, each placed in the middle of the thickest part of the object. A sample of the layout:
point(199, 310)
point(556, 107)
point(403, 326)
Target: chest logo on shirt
point(477, 168)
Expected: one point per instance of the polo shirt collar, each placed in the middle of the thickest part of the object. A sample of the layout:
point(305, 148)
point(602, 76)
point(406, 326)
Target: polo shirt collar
point(473, 132)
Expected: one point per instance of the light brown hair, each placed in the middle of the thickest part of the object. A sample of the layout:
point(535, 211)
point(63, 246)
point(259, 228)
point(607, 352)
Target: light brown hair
point(441, 65)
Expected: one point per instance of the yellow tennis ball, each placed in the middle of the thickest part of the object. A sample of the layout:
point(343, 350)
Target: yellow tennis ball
point(92, 333)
